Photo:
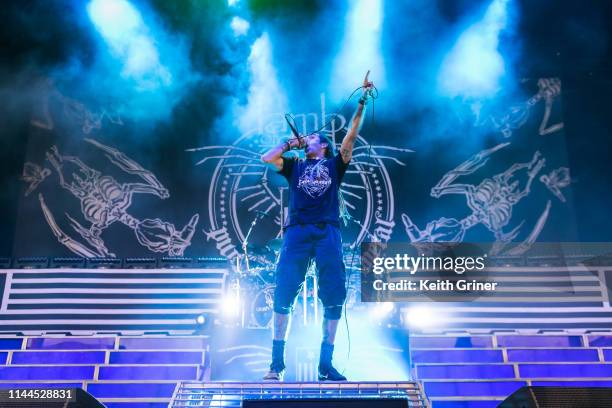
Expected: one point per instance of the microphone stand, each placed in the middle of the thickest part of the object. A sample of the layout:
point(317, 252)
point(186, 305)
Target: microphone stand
point(246, 240)
point(282, 209)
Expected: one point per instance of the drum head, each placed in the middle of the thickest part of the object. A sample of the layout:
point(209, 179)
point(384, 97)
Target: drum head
point(262, 308)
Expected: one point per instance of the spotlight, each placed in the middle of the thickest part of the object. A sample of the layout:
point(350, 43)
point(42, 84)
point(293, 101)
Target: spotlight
point(240, 26)
point(381, 310)
point(423, 317)
point(203, 323)
point(124, 30)
point(115, 19)
point(474, 67)
point(362, 46)
point(231, 305)
point(264, 83)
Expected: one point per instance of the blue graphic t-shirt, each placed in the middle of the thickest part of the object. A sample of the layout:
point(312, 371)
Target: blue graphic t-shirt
point(314, 186)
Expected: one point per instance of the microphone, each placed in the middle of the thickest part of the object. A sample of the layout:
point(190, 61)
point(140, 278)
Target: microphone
point(293, 128)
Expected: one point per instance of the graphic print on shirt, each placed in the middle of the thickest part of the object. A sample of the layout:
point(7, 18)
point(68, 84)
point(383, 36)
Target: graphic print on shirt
point(315, 180)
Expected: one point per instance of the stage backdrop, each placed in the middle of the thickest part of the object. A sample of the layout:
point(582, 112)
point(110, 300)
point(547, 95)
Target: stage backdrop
point(98, 184)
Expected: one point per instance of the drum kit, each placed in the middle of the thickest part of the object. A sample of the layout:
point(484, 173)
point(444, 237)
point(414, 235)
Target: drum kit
point(258, 288)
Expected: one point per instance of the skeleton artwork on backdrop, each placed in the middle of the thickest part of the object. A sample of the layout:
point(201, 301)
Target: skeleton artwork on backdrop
point(491, 203)
point(557, 180)
point(73, 110)
point(104, 201)
point(33, 175)
point(517, 115)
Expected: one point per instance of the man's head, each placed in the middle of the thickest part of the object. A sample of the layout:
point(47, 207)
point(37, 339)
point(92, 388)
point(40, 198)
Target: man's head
point(318, 146)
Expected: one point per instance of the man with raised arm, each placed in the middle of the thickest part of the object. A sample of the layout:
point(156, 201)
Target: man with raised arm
point(312, 230)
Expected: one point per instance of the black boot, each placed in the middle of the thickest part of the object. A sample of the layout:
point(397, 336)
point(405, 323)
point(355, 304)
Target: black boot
point(277, 367)
point(327, 372)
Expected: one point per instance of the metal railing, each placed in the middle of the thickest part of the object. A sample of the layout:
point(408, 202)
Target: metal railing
point(231, 394)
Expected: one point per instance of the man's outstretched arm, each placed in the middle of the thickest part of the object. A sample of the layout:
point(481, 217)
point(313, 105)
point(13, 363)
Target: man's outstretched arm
point(346, 148)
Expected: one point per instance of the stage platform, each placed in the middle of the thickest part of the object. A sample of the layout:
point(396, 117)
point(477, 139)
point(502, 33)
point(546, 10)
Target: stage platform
point(231, 394)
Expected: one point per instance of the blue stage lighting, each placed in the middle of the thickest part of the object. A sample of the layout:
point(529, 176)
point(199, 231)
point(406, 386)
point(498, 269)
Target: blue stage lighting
point(115, 19)
point(425, 317)
point(123, 29)
point(381, 310)
point(361, 48)
point(261, 107)
point(474, 67)
point(231, 305)
point(367, 351)
point(240, 26)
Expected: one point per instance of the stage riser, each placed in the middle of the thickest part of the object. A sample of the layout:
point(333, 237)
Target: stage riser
point(125, 372)
point(471, 388)
point(58, 357)
point(131, 390)
point(455, 342)
point(27, 373)
point(140, 393)
point(553, 355)
point(485, 341)
point(475, 371)
point(461, 371)
point(99, 357)
point(105, 343)
point(540, 341)
point(149, 373)
point(496, 356)
point(457, 356)
point(23, 384)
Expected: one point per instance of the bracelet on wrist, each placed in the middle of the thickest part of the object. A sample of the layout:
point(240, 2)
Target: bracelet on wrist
point(363, 100)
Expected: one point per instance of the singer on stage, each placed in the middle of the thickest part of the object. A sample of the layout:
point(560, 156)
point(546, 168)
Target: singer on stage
point(312, 230)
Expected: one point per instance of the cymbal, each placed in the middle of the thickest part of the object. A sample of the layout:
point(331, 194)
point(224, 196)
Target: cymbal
point(275, 244)
point(257, 249)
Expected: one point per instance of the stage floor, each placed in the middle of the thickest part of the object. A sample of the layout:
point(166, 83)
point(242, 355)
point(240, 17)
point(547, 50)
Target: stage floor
point(231, 394)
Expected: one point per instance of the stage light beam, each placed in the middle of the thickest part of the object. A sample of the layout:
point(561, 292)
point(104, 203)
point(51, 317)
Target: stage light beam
point(423, 317)
point(361, 49)
point(231, 305)
point(381, 310)
point(266, 97)
point(240, 26)
point(115, 19)
point(474, 67)
point(128, 37)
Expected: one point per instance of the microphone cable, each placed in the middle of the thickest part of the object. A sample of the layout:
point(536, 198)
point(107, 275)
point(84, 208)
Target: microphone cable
point(293, 126)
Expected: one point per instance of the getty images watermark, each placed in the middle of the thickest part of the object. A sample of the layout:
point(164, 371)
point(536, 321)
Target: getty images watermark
point(422, 264)
point(465, 272)
point(424, 272)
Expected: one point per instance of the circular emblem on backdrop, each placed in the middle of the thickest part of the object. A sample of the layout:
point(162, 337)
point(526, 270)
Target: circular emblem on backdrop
point(245, 191)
